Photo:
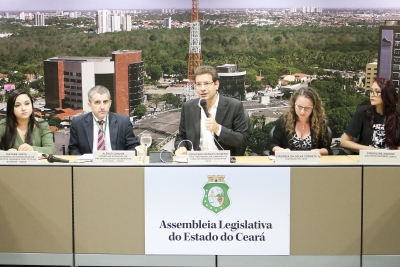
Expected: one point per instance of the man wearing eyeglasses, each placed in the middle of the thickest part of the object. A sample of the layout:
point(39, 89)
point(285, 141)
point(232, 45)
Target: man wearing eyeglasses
point(100, 129)
point(226, 127)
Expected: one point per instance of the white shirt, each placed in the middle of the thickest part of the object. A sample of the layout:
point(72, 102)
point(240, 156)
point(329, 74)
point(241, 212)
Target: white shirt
point(206, 137)
point(106, 127)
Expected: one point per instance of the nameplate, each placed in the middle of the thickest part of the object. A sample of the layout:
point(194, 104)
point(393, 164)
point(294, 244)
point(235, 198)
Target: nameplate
point(18, 157)
point(379, 156)
point(114, 157)
point(207, 157)
point(296, 157)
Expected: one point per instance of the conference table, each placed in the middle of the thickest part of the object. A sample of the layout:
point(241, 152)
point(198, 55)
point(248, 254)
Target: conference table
point(342, 213)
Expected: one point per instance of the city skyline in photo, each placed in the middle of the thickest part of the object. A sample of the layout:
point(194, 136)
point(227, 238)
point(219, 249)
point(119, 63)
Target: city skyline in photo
point(49, 5)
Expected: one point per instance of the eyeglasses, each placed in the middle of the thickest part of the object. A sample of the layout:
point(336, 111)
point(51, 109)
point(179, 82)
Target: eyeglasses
point(305, 108)
point(205, 85)
point(373, 93)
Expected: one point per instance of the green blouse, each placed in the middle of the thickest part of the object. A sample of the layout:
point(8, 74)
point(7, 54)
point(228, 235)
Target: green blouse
point(42, 137)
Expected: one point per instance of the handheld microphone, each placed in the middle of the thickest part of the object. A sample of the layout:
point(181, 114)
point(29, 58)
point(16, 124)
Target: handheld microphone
point(203, 104)
point(53, 159)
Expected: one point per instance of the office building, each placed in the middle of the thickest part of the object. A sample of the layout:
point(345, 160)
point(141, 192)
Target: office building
point(371, 71)
point(69, 79)
point(128, 80)
point(231, 81)
point(389, 51)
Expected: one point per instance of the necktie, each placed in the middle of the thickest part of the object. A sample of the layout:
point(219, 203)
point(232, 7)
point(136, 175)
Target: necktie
point(101, 144)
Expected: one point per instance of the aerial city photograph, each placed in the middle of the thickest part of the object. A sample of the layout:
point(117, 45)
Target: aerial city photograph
point(145, 53)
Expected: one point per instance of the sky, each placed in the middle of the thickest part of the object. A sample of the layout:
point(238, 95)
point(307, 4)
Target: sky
point(72, 5)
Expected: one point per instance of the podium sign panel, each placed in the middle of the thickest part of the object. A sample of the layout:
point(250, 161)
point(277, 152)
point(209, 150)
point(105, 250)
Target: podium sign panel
point(217, 211)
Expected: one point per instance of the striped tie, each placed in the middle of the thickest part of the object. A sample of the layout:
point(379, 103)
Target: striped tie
point(101, 144)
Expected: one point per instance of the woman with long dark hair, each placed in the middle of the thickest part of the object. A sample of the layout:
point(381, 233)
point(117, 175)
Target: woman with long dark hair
point(304, 126)
point(378, 124)
point(20, 130)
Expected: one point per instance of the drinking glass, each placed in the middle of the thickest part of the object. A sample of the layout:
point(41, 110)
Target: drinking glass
point(145, 140)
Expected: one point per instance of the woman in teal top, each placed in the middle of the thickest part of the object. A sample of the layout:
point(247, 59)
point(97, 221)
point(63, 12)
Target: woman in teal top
point(21, 131)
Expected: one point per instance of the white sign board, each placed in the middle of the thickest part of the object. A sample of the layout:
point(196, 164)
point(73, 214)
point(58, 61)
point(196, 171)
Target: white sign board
point(207, 157)
point(379, 156)
point(217, 211)
point(18, 157)
point(114, 157)
point(296, 157)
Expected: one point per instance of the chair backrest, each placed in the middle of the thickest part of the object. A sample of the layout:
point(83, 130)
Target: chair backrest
point(329, 136)
point(271, 133)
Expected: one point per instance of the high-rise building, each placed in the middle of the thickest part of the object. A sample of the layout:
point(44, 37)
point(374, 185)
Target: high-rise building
point(39, 19)
point(22, 16)
point(127, 23)
point(167, 23)
point(389, 51)
point(231, 81)
point(115, 23)
point(371, 71)
point(128, 81)
point(69, 79)
point(103, 22)
point(293, 9)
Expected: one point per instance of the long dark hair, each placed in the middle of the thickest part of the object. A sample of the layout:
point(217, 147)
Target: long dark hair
point(389, 99)
point(11, 132)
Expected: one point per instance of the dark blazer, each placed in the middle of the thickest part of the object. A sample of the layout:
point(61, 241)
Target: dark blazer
point(281, 138)
point(81, 134)
point(232, 117)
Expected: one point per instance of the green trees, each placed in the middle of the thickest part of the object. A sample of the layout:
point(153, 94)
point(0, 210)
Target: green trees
point(259, 135)
point(140, 111)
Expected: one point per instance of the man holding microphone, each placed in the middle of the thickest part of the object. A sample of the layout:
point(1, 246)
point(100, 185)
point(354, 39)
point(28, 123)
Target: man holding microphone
point(212, 121)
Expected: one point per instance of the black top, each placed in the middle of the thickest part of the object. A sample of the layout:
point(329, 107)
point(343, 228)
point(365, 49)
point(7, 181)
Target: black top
point(281, 138)
point(374, 135)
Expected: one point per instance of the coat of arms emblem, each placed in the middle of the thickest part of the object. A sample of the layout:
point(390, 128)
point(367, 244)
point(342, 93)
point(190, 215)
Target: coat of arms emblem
point(216, 197)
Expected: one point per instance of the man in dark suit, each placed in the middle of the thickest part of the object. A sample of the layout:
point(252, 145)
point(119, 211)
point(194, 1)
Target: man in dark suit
point(100, 129)
point(227, 127)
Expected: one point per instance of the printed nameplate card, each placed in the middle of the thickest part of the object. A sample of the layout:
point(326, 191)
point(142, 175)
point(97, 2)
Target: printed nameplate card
point(379, 156)
point(19, 157)
point(114, 157)
point(296, 157)
point(209, 157)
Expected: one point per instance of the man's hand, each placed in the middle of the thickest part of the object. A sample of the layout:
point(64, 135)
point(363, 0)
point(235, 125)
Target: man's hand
point(212, 125)
point(181, 151)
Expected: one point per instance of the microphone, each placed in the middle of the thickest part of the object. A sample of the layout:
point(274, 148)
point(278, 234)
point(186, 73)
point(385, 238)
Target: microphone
point(53, 159)
point(203, 104)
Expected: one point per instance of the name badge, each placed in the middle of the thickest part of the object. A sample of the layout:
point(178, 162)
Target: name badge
point(114, 157)
point(379, 156)
point(19, 157)
point(209, 157)
point(296, 157)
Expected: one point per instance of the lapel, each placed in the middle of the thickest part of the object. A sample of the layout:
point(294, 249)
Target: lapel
point(113, 124)
point(196, 111)
point(221, 110)
point(89, 129)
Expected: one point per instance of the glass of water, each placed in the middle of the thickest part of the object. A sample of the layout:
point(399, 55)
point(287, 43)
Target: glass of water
point(145, 140)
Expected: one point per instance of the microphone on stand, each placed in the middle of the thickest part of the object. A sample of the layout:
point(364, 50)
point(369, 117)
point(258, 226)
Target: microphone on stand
point(203, 104)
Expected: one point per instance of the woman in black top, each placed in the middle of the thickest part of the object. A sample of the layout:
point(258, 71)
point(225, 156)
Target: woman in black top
point(377, 125)
point(303, 126)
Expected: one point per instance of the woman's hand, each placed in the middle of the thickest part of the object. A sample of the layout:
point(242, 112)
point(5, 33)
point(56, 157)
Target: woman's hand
point(25, 147)
point(12, 149)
